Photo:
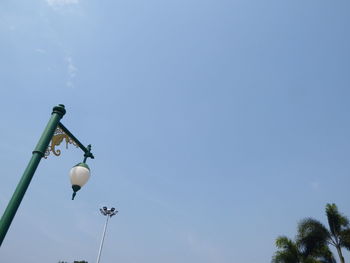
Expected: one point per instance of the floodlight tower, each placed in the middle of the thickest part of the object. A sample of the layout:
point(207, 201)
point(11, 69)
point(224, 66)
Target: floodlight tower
point(108, 213)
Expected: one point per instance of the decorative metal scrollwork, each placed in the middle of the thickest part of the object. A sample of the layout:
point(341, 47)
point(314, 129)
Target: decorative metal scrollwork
point(57, 138)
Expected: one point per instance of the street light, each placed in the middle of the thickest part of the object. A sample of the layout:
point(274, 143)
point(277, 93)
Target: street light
point(55, 132)
point(108, 213)
point(79, 175)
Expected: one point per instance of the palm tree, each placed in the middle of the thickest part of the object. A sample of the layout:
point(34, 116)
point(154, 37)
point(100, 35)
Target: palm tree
point(287, 252)
point(314, 236)
point(290, 252)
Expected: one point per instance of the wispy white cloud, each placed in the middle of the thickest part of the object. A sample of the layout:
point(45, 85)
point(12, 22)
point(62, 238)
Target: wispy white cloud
point(69, 84)
point(315, 185)
point(205, 250)
point(70, 67)
point(71, 70)
point(41, 51)
point(56, 3)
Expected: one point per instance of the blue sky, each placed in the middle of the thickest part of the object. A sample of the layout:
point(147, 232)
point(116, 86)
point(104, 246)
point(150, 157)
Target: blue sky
point(216, 125)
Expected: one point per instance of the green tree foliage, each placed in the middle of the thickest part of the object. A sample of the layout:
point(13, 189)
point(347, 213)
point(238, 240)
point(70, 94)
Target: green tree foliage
point(290, 252)
point(314, 236)
point(313, 241)
point(287, 252)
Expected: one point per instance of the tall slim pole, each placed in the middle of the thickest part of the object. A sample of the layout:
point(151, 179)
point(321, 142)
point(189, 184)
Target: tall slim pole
point(102, 240)
point(39, 152)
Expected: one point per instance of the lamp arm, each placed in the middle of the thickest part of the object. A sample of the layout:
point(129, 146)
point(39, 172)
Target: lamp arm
point(86, 150)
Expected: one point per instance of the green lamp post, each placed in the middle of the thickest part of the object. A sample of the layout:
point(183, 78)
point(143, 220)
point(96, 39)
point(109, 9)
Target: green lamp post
point(55, 132)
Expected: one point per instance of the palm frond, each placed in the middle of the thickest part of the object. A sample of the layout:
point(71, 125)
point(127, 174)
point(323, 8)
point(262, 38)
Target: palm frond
point(324, 255)
point(287, 251)
point(345, 238)
point(312, 235)
point(284, 257)
point(336, 220)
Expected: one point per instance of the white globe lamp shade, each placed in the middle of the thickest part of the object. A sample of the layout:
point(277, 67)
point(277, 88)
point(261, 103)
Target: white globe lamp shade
point(79, 175)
